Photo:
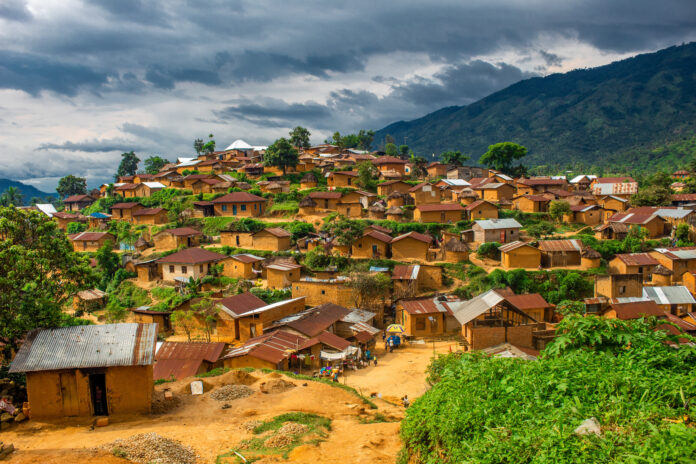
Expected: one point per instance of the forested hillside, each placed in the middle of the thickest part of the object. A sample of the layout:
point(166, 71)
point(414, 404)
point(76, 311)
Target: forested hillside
point(633, 114)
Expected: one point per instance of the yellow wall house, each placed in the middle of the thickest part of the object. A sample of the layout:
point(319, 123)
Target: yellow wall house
point(481, 209)
point(373, 244)
point(390, 186)
point(519, 255)
point(239, 204)
point(151, 216)
point(421, 317)
point(271, 239)
point(320, 291)
point(124, 211)
point(343, 179)
point(634, 263)
point(171, 239)
point(93, 370)
point(91, 241)
point(282, 275)
point(187, 263)
point(531, 203)
point(243, 266)
point(442, 213)
point(412, 245)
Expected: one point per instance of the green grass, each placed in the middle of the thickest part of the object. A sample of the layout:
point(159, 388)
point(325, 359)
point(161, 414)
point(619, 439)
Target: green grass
point(214, 372)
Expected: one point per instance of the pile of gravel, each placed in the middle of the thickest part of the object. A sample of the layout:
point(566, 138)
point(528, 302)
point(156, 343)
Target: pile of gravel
point(293, 428)
point(251, 425)
point(278, 441)
point(231, 392)
point(146, 448)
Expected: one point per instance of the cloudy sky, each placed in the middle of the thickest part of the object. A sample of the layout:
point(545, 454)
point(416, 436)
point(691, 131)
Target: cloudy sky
point(83, 81)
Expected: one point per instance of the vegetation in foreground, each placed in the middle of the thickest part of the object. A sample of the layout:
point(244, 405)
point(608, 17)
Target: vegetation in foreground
point(640, 389)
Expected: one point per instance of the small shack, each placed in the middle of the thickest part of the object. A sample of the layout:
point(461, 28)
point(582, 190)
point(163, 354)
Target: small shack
point(519, 255)
point(559, 253)
point(271, 239)
point(88, 370)
point(244, 266)
point(171, 239)
point(178, 360)
point(282, 275)
point(496, 230)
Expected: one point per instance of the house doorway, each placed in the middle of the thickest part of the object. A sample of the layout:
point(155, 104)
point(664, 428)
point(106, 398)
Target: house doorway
point(68, 393)
point(97, 388)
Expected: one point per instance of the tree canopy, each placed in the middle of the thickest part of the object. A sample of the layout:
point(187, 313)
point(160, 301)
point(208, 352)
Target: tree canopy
point(128, 165)
point(153, 164)
point(71, 185)
point(456, 158)
point(559, 208)
point(11, 197)
point(281, 154)
point(501, 156)
point(362, 140)
point(39, 273)
point(299, 137)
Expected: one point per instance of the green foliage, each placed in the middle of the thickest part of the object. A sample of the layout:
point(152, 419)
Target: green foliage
point(541, 229)
point(299, 137)
point(367, 173)
point(631, 244)
point(362, 140)
point(271, 296)
point(39, 273)
point(153, 164)
point(619, 118)
point(209, 146)
point(107, 262)
point(218, 371)
point(559, 208)
point(126, 295)
point(300, 229)
point(281, 154)
point(391, 150)
point(454, 157)
point(345, 230)
point(71, 185)
point(128, 165)
point(316, 259)
point(289, 208)
point(653, 195)
point(567, 307)
point(489, 250)
point(12, 197)
point(493, 410)
point(500, 156)
point(75, 227)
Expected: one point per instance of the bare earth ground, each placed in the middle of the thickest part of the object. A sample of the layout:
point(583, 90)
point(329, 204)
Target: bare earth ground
point(201, 423)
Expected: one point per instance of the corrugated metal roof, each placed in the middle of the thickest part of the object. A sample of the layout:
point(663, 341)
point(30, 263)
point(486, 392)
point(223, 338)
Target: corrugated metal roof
point(636, 309)
point(242, 303)
point(272, 347)
point(638, 259)
point(685, 253)
point(358, 315)
point(493, 224)
point(466, 311)
point(677, 294)
point(181, 359)
point(513, 246)
point(247, 258)
point(87, 346)
point(312, 321)
point(528, 301)
point(405, 272)
point(560, 245)
point(625, 188)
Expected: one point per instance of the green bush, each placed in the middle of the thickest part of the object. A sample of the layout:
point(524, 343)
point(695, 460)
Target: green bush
point(489, 250)
point(494, 410)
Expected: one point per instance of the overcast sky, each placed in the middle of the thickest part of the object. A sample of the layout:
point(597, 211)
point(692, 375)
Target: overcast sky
point(83, 81)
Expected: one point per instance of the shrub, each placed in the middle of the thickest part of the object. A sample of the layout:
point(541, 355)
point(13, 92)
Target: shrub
point(489, 250)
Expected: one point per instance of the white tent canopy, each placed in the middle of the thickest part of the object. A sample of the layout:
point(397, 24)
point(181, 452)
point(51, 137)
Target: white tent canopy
point(239, 144)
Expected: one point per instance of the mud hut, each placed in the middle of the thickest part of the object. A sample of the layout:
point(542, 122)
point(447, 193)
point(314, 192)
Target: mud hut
point(590, 258)
point(307, 206)
point(661, 276)
point(395, 214)
point(376, 211)
point(455, 251)
point(308, 181)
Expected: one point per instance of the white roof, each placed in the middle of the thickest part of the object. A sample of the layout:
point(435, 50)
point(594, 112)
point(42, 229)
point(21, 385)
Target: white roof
point(47, 208)
point(577, 179)
point(466, 311)
point(184, 160)
point(680, 254)
point(154, 185)
point(503, 176)
point(674, 213)
point(239, 144)
point(491, 224)
point(456, 182)
point(624, 188)
point(189, 162)
point(676, 294)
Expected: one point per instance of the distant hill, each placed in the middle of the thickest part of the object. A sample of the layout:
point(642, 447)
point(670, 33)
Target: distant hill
point(27, 190)
point(630, 115)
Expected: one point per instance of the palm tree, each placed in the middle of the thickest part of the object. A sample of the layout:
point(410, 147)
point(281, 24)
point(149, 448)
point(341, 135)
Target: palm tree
point(12, 197)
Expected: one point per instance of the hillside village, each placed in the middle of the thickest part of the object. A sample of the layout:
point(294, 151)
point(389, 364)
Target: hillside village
point(328, 261)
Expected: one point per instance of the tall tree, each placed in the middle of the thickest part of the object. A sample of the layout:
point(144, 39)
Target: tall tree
point(281, 154)
point(559, 208)
point(209, 147)
point(456, 158)
point(501, 156)
point(391, 150)
point(419, 164)
point(39, 273)
point(107, 261)
point(299, 137)
point(153, 164)
point(128, 165)
point(403, 151)
point(365, 139)
point(198, 146)
point(71, 185)
point(12, 197)
point(366, 175)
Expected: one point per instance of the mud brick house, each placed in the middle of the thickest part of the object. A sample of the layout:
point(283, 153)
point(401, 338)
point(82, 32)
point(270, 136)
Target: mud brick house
point(268, 351)
point(145, 315)
point(496, 230)
point(634, 263)
point(282, 275)
point(489, 319)
point(150, 216)
point(611, 231)
point(124, 211)
point(481, 209)
point(391, 186)
point(91, 241)
point(422, 317)
point(77, 202)
point(412, 245)
point(584, 214)
point(239, 204)
point(243, 266)
point(519, 255)
point(440, 212)
point(63, 219)
point(679, 260)
point(674, 299)
point(236, 239)
point(327, 201)
point(531, 203)
point(271, 239)
point(560, 253)
point(466, 172)
point(319, 291)
point(437, 169)
point(187, 263)
point(245, 316)
point(537, 185)
point(495, 191)
point(342, 179)
point(619, 285)
point(174, 238)
point(390, 163)
point(92, 370)
point(314, 321)
point(372, 244)
point(532, 304)
point(410, 279)
point(425, 193)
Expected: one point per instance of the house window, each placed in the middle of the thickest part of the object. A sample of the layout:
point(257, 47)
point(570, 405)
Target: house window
point(171, 268)
point(184, 270)
point(254, 205)
point(243, 207)
point(433, 323)
point(224, 207)
point(420, 323)
point(640, 270)
point(201, 269)
point(323, 292)
point(359, 245)
point(622, 290)
point(349, 180)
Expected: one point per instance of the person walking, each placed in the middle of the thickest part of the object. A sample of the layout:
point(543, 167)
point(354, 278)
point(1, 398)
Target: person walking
point(375, 361)
point(405, 401)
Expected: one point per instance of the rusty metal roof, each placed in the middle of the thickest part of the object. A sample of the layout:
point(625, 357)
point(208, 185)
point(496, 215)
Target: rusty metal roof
point(181, 359)
point(87, 346)
point(413, 234)
point(427, 305)
point(405, 272)
point(636, 309)
point(182, 231)
point(247, 258)
point(272, 347)
point(638, 259)
point(240, 304)
point(91, 236)
point(313, 321)
point(377, 235)
point(527, 301)
point(508, 247)
point(560, 245)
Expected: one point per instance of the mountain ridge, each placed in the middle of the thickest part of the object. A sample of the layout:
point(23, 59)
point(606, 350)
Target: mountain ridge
point(28, 191)
point(627, 115)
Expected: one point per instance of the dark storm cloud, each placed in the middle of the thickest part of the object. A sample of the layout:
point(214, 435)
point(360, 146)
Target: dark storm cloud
point(14, 10)
point(551, 59)
point(275, 112)
point(93, 146)
point(33, 74)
